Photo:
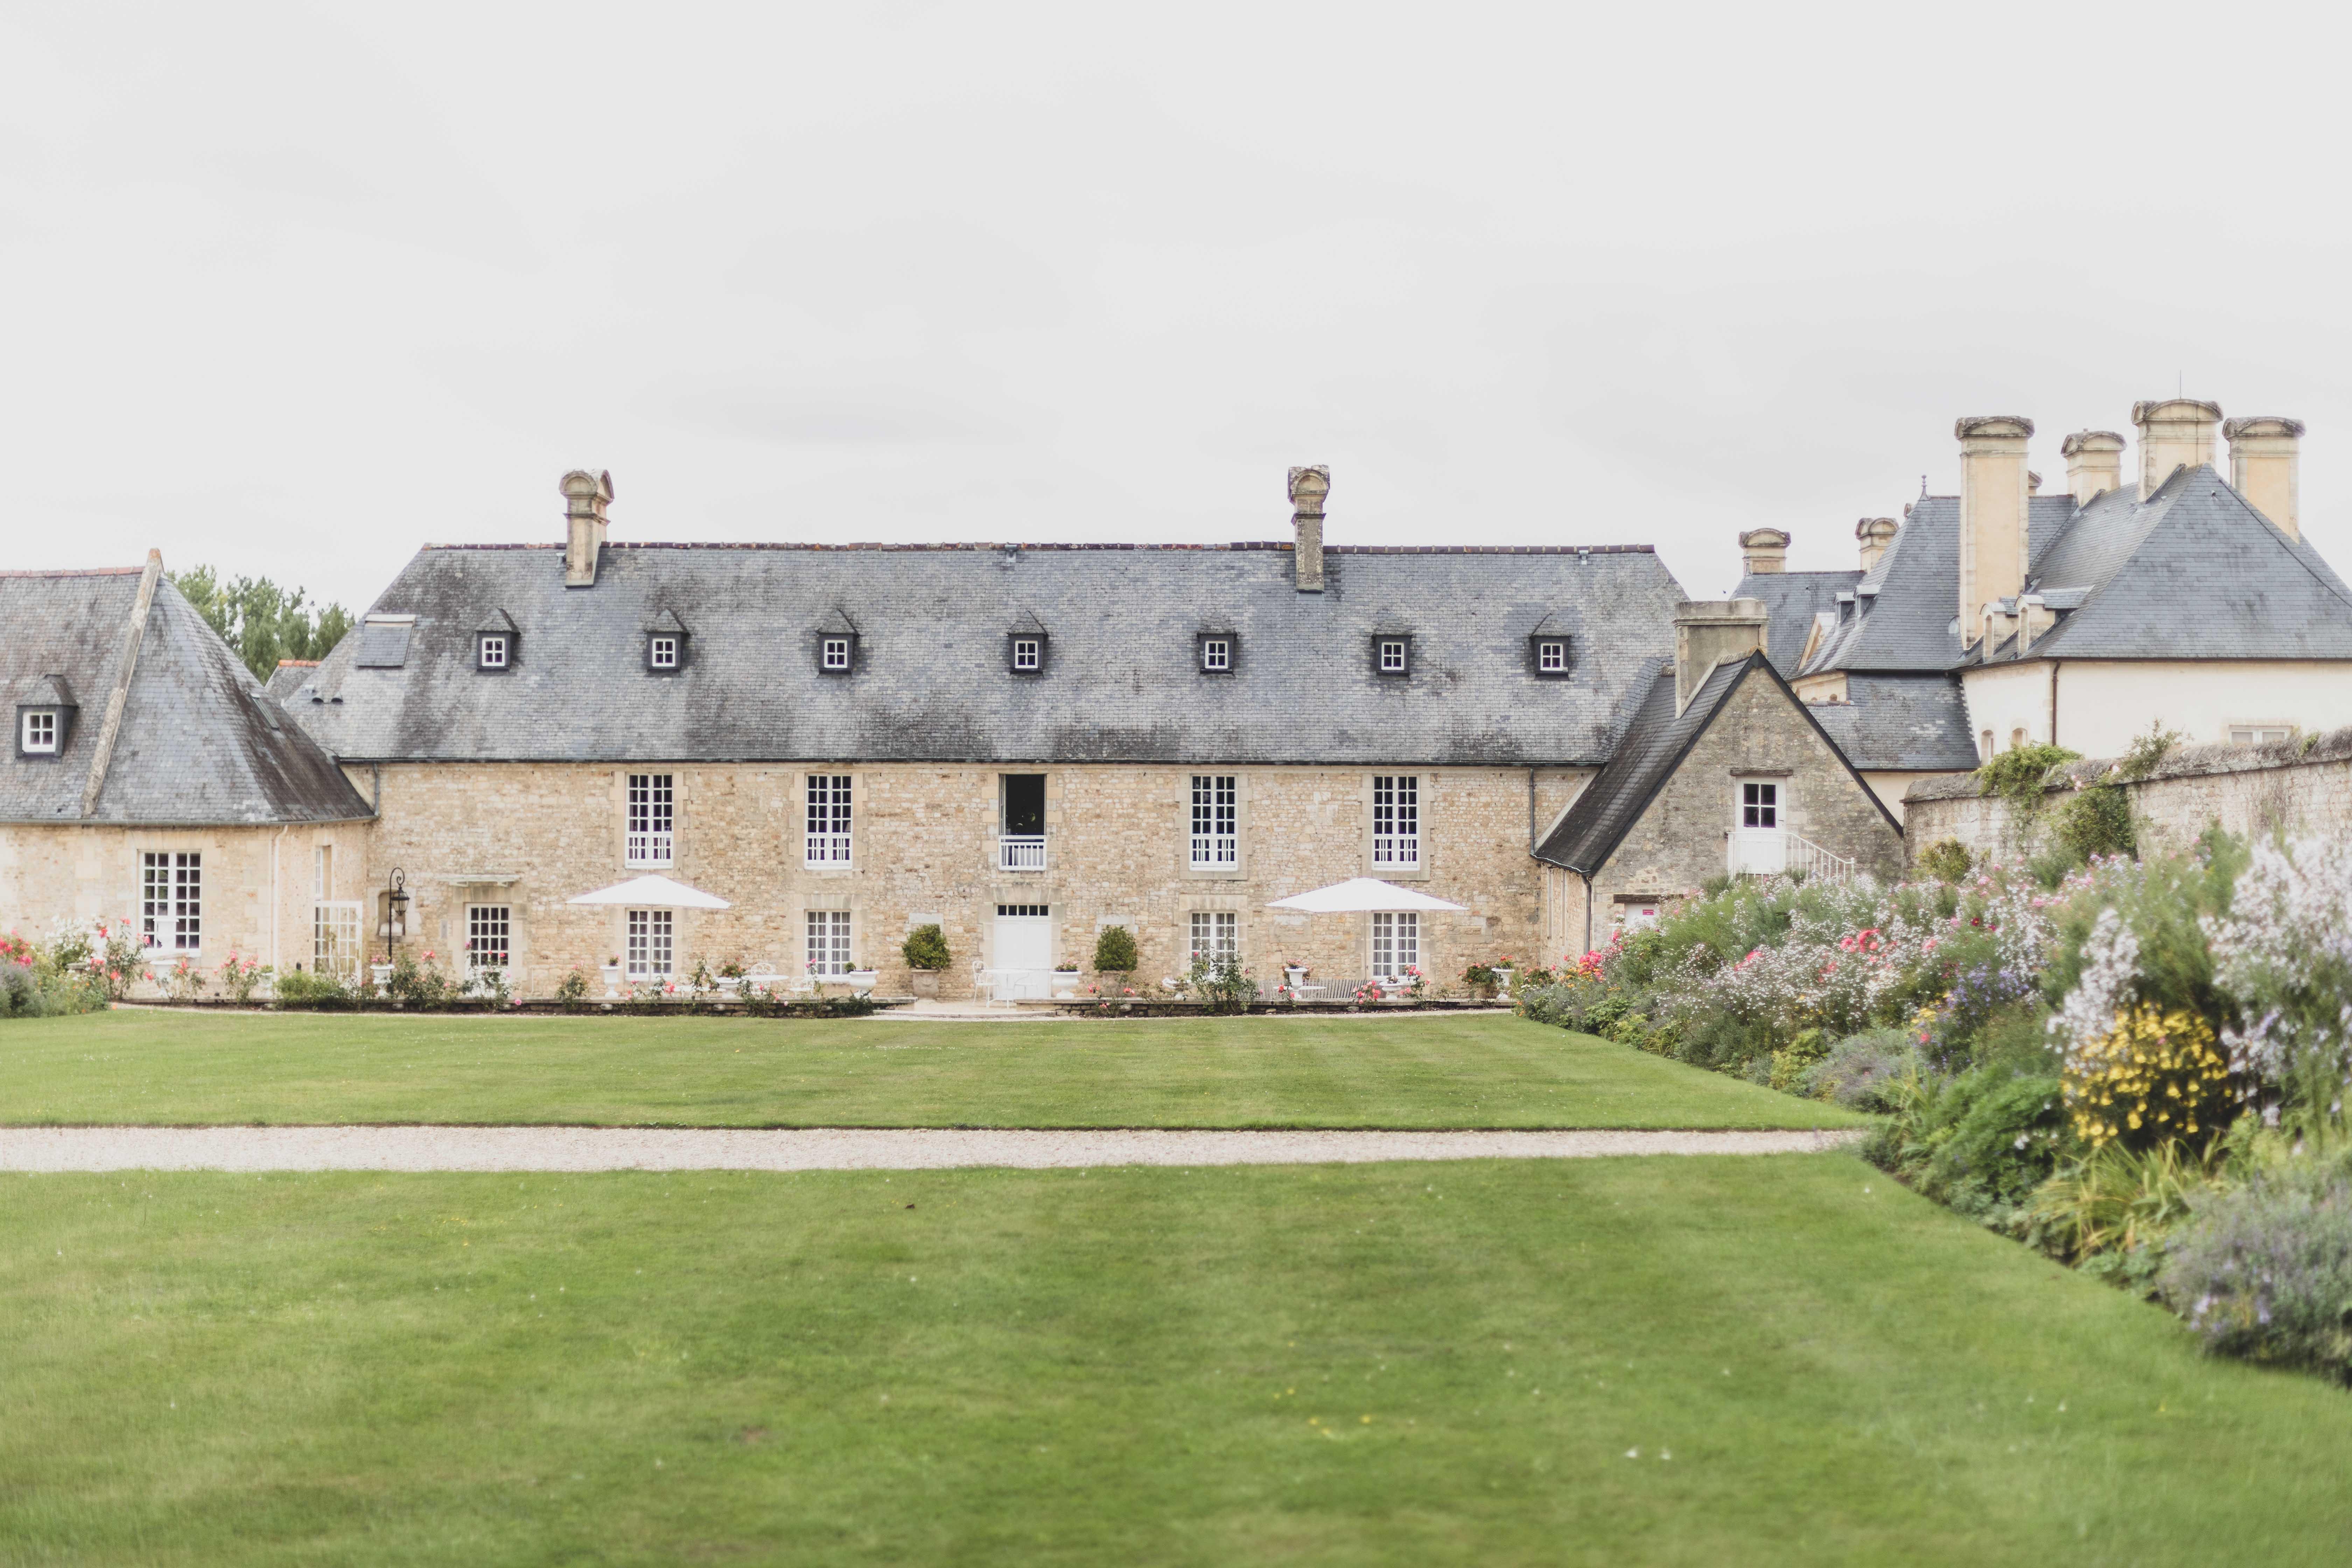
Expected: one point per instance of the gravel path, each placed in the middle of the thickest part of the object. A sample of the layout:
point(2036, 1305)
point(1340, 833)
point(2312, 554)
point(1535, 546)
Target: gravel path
point(812, 1149)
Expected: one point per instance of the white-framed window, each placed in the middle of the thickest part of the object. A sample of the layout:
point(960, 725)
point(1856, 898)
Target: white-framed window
point(653, 946)
point(1551, 657)
point(1217, 842)
point(836, 653)
point(494, 651)
point(1217, 653)
point(1026, 653)
point(489, 937)
point(40, 732)
point(1760, 803)
point(1396, 819)
point(1396, 944)
point(335, 936)
point(171, 901)
point(662, 653)
point(828, 819)
point(653, 820)
point(1216, 934)
point(828, 942)
point(322, 871)
point(2240, 734)
point(1984, 745)
point(1396, 655)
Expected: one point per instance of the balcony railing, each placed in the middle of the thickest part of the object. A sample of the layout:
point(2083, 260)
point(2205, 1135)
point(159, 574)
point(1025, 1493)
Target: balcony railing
point(828, 848)
point(649, 848)
point(1396, 850)
point(1215, 851)
point(1775, 852)
point(1021, 852)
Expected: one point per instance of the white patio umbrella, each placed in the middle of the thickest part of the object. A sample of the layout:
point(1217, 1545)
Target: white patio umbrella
point(1360, 895)
point(652, 893)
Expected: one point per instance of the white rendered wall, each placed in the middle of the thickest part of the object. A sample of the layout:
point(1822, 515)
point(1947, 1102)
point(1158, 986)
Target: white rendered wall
point(2103, 706)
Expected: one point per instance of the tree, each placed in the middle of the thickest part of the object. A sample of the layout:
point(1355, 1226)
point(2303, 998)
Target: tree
point(263, 622)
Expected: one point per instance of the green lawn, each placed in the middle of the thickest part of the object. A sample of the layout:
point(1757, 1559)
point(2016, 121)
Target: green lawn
point(1483, 1362)
point(1418, 1071)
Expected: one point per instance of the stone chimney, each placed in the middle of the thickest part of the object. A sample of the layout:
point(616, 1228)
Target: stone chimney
point(1712, 632)
point(1875, 534)
point(2174, 433)
point(1763, 550)
point(2094, 463)
point(2262, 467)
point(585, 497)
point(1993, 514)
point(1307, 488)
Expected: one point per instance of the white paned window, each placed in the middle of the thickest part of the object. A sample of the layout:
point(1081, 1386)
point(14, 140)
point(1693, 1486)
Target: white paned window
point(1217, 653)
point(172, 901)
point(828, 942)
point(1026, 651)
point(1216, 934)
point(322, 871)
point(335, 936)
point(1551, 657)
point(1216, 846)
point(1393, 655)
point(836, 653)
point(494, 651)
point(1396, 944)
point(40, 733)
point(488, 931)
point(1396, 819)
point(662, 652)
point(1759, 805)
point(828, 819)
point(2240, 734)
point(653, 820)
point(653, 947)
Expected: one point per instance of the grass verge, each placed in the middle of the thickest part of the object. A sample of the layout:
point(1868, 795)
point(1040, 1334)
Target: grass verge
point(1417, 1071)
point(1701, 1361)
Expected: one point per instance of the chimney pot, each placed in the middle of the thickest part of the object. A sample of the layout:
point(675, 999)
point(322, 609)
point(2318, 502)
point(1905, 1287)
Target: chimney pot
point(2174, 433)
point(585, 497)
point(1875, 534)
point(1309, 487)
point(1712, 632)
point(2262, 467)
point(1993, 512)
point(1764, 550)
point(2094, 463)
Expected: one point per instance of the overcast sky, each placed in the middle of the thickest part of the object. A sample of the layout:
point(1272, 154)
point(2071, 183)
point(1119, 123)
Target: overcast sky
point(294, 290)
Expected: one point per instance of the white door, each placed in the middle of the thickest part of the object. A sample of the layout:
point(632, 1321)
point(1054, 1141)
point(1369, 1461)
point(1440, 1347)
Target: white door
point(1023, 958)
point(1758, 845)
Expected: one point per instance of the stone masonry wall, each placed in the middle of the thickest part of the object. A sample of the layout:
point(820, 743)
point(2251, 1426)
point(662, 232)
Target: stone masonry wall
point(2297, 786)
point(1681, 839)
point(50, 876)
point(531, 836)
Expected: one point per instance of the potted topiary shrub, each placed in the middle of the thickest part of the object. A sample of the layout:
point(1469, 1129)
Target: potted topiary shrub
point(926, 952)
point(1114, 957)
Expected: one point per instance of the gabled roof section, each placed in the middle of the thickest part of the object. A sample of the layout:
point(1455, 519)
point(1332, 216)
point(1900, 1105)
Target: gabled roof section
point(837, 623)
point(1025, 624)
point(498, 621)
point(1793, 599)
point(665, 622)
point(52, 690)
point(1900, 723)
point(1654, 744)
point(196, 746)
point(930, 622)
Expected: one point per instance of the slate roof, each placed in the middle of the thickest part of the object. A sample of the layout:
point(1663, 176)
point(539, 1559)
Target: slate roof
point(288, 678)
point(199, 744)
point(1793, 598)
point(2192, 572)
point(1656, 739)
point(931, 684)
point(1900, 723)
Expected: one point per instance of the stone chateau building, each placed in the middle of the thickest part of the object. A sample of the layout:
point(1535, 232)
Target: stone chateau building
point(2001, 616)
point(1021, 744)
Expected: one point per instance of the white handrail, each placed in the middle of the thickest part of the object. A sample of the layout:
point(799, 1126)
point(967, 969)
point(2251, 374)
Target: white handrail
point(1021, 852)
point(1817, 863)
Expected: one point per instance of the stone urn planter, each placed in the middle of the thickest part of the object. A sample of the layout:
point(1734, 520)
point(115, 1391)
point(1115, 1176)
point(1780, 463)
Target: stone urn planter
point(729, 985)
point(1503, 973)
point(859, 981)
point(380, 973)
point(925, 983)
point(612, 972)
point(1295, 973)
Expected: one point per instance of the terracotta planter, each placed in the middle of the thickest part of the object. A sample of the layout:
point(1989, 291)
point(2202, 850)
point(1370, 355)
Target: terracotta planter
point(925, 983)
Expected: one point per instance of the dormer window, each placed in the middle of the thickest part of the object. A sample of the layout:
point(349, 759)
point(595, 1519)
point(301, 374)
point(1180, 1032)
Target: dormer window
point(836, 654)
point(1027, 654)
point(665, 643)
point(1392, 655)
point(39, 736)
point(837, 644)
point(1025, 644)
point(496, 643)
point(45, 716)
point(1552, 655)
point(661, 653)
point(492, 651)
point(1217, 653)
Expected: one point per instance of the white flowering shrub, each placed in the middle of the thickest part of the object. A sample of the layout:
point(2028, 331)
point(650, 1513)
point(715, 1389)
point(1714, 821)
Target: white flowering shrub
point(2283, 953)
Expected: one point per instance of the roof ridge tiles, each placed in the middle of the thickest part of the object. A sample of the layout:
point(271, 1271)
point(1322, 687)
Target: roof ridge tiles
point(74, 571)
point(1283, 545)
